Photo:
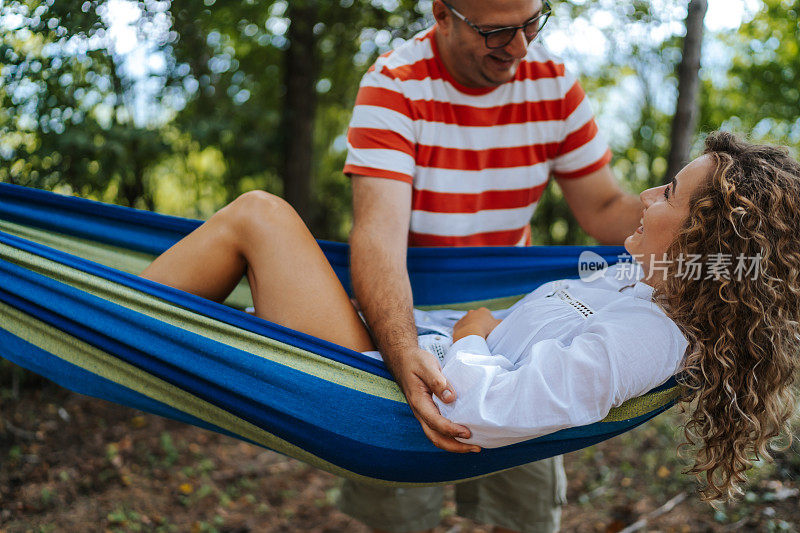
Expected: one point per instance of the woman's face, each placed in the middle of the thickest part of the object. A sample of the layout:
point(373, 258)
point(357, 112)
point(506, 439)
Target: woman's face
point(665, 210)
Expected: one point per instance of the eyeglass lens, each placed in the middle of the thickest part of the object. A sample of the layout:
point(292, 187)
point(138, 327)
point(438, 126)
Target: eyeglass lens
point(501, 38)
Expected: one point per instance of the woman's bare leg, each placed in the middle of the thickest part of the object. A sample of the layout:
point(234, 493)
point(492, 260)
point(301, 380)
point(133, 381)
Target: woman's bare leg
point(291, 280)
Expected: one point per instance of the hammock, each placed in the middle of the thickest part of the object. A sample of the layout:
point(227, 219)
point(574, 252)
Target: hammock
point(73, 310)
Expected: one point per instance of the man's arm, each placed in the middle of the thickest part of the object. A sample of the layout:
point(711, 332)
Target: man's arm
point(378, 245)
point(601, 207)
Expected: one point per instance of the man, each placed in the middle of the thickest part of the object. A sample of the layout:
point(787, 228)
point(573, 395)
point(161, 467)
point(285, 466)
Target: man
point(453, 138)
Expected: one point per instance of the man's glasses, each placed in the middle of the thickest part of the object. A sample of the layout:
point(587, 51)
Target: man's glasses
point(500, 37)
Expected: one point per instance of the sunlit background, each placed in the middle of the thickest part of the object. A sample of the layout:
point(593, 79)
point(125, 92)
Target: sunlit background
point(180, 106)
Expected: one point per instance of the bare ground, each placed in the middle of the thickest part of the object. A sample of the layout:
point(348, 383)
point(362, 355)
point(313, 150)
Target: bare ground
point(73, 463)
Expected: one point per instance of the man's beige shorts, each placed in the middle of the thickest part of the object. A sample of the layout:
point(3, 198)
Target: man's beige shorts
point(527, 498)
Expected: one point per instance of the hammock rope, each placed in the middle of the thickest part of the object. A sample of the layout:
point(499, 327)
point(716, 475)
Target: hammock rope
point(73, 310)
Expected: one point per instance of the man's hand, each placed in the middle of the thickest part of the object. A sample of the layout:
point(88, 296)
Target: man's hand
point(419, 375)
point(601, 207)
point(476, 322)
point(378, 243)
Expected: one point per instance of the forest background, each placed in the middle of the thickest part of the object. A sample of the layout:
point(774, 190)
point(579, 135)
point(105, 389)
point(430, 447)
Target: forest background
point(179, 106)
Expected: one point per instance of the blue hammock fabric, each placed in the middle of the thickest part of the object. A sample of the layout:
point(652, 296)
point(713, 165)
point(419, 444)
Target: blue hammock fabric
point(104, 332)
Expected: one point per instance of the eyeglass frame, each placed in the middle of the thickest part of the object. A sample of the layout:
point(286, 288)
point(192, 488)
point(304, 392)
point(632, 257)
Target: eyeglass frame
point(546, 11)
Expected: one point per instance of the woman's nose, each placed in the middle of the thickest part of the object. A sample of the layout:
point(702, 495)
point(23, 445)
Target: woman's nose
point(648, 196)
point(644, 197)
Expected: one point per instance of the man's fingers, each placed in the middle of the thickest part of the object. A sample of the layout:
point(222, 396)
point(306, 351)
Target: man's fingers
point(437, 383)
point(443, 390)
point(418, 382)
point(447, 443)
point(425, 410)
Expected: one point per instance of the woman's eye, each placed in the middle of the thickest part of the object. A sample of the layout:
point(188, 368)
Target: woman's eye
point(666, 192)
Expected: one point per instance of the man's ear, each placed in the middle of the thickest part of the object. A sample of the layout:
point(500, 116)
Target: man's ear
point(442, 15)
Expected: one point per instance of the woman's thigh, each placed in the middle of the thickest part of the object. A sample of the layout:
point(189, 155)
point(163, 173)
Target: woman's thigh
point(291, 280)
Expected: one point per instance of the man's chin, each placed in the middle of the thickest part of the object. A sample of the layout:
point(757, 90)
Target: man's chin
point(493, 80)
point(498, 74)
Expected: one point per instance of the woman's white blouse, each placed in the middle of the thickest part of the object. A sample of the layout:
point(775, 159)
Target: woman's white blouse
point(562, 356)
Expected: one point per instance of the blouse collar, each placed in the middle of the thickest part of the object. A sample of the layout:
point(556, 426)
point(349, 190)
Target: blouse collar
point(643, 290)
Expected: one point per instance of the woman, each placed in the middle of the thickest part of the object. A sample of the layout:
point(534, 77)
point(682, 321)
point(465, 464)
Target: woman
point(569, 351)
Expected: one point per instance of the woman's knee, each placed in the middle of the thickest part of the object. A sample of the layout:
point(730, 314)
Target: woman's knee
point(255, 209)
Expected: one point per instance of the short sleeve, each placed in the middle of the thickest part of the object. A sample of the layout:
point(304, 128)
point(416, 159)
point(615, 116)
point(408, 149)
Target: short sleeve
point(381, 140)
point(582, 149)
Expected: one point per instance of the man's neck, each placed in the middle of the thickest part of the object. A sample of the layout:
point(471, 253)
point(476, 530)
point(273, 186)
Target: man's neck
point(448, 62)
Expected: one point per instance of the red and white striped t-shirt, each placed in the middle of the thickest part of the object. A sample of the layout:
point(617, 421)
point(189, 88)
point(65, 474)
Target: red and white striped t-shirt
point(478, 159)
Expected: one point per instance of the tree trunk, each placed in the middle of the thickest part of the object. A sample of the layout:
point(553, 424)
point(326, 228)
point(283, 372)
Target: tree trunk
point(684, 122)
point(300, 106)
point(131, 187)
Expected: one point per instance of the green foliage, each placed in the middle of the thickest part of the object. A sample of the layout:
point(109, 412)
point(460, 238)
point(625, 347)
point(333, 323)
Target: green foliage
point(67, 121)
point(186, 138)
point(229, 57)
point(228, 66)
point(760, 92)
point(632, 88)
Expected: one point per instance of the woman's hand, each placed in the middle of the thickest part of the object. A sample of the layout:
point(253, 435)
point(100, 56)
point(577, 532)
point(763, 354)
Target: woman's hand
point(475, 322)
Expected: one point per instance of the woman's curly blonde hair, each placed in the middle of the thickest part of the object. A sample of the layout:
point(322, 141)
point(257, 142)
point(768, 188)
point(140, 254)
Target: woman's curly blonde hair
point(743, 331)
